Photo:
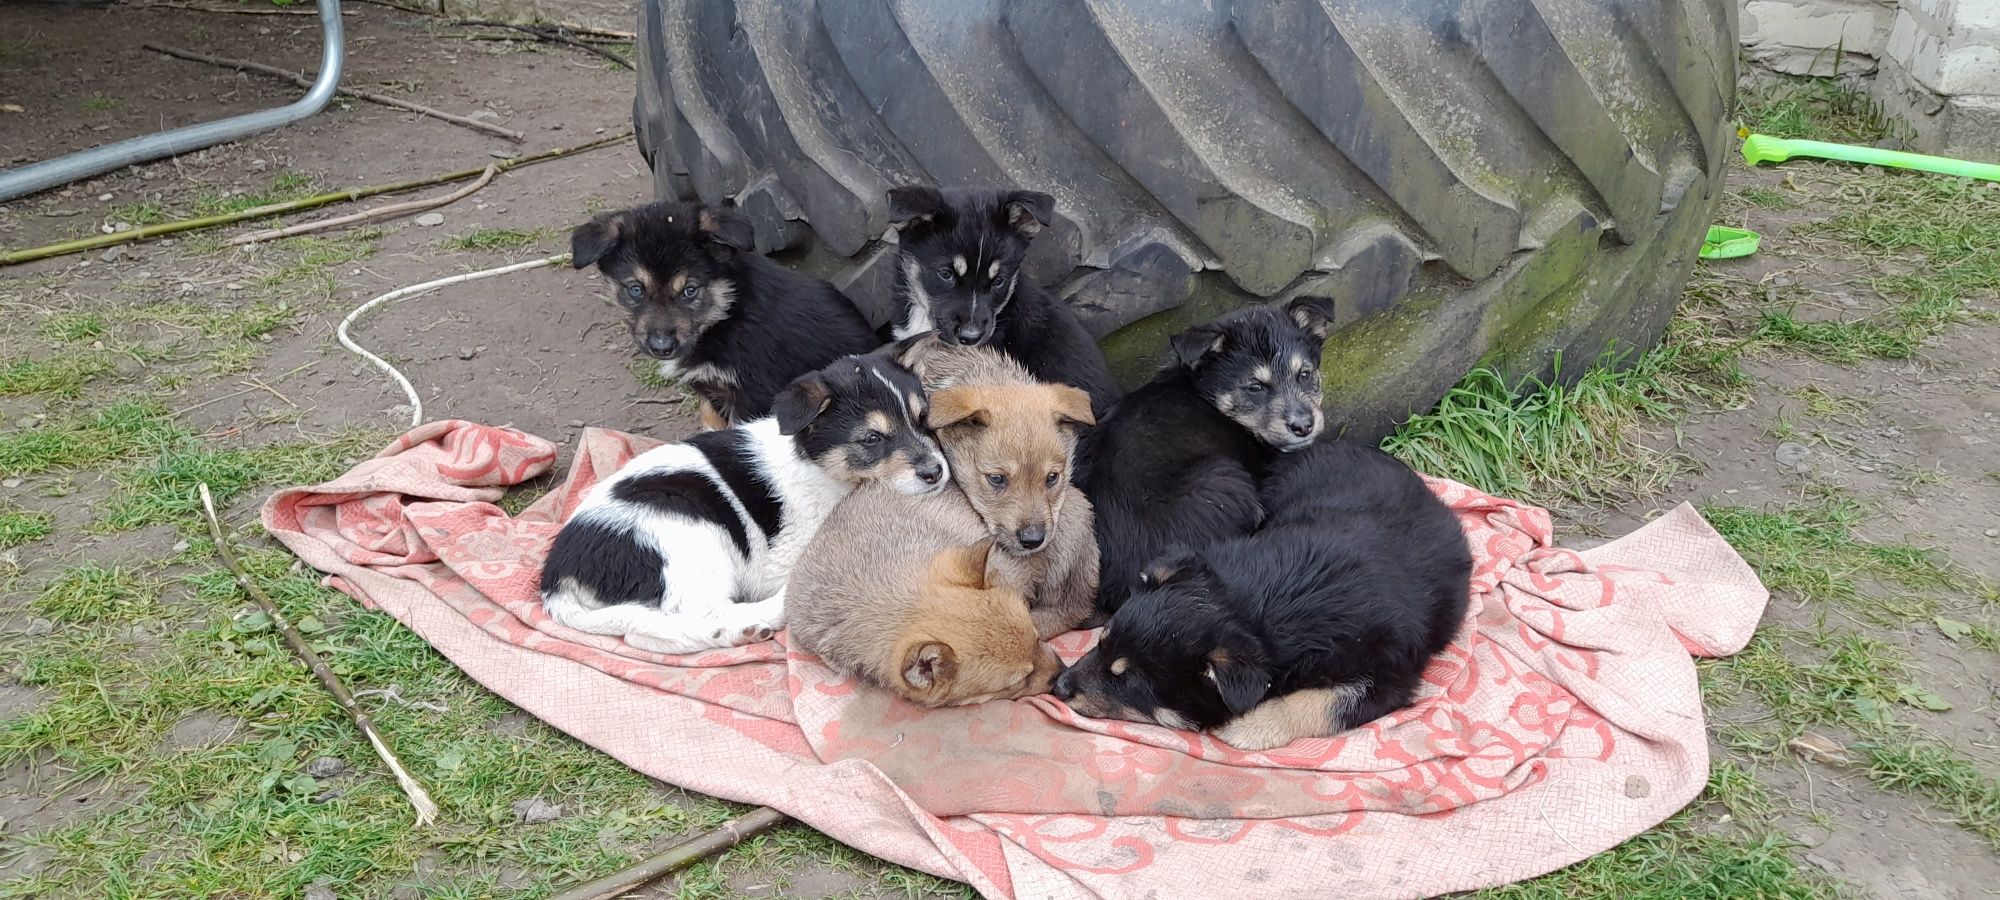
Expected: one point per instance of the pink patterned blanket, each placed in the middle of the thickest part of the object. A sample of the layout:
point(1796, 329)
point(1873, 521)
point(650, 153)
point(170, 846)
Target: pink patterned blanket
point(1564, 720)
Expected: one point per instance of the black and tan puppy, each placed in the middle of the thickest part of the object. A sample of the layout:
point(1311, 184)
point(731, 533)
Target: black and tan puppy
point(1176, 463)
point(731, 324)
point(959, 273)
point(1322, 621)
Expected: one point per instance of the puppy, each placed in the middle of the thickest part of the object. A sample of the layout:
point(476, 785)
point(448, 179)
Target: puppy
point(731, 324)
point(959, 274)
point(688, 546)
point(1176, 463)
point(1322, 621)
point(1010, 441)
point(907, 593)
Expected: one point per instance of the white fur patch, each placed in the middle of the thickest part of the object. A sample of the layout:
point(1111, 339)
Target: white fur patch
point(958, 265)
point(993, 271)
point(1172, 719)
point(916, 303)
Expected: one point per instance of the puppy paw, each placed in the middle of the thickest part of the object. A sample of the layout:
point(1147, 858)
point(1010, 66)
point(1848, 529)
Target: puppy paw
point(1251, 736)
point(752, 634)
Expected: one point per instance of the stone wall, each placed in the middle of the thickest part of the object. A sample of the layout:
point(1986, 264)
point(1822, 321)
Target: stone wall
point(1933, 65)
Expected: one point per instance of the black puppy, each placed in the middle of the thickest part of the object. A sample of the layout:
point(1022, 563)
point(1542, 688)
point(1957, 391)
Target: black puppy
point(959, 274)
point(1176, 462)
point(1322, 621)
point(732, 325)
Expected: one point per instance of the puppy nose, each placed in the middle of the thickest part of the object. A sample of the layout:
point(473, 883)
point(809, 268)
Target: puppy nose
point(970, 334)
point(1300, 424)
point(1065, 686)
point(931, 472)
point(1031, 536)
point(662, 344)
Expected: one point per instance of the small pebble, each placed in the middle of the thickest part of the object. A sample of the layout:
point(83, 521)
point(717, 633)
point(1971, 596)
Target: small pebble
point(16, 482)
point(104, 198)
point(320, 892)
point(430, 220)
point(1790, 454)
point(1990, 532)
point(504, 154)
point(327, 767)
point(39, 627)
point(535, 811)
point(576, 423)
point(180, 546)
point(467, 352)
point(233, 286)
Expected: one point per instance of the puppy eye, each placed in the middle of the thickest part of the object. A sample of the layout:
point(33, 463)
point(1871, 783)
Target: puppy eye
point(1306, 375)
point(872, 438)
point(946, 275)
point(999, 482)
point(690, 291)
point(1052, 479)
point(635, 292)
point(1255, 387)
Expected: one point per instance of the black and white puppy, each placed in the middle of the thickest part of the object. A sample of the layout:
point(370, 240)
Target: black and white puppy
point(1176, 463)
point(688, 546)
point(731, 324)
point(1322, 621)
point(959, 273)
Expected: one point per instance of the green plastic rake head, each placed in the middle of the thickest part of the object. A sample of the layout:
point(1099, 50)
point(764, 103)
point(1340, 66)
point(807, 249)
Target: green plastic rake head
point(1758, 148)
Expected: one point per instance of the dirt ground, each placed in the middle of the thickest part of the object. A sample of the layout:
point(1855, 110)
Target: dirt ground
point(1876, 481)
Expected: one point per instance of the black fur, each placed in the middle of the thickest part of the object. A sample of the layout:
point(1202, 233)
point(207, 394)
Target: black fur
point(1358, 577)
point(607, 559)
point(982, 305)
point(779, 325)
point(729, 452)
point(1168, 468)
point(688, 493)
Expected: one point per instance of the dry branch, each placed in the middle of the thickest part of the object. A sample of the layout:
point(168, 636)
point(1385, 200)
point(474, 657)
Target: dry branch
point(380, 212)
point(161, 229)
point(554, 34)
point(370, 96)
point(680, 856)
point(238, 10)
point(427, 810)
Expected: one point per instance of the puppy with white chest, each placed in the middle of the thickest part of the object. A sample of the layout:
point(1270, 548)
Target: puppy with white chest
point(958, 273)
point(689, 546)
point(909, 595)
point(732, 325)
point(1011, 441)
point(1322, 621)
point(1177, 462)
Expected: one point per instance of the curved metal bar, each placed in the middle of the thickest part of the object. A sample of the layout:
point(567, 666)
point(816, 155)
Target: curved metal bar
point(25, 180)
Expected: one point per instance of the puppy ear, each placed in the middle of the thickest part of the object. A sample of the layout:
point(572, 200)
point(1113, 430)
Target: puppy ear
point(726, 227)
point(1313, 314)
point(1241, 682)
point(971, 566)
point(1198, 343)
point(1072, 405)
point(914, 203)
point(912, 351)
point(956, 406)
point(595, 239)
point(1028, 211)
point(801, 402)
point(1171, 568)
point(929, 664)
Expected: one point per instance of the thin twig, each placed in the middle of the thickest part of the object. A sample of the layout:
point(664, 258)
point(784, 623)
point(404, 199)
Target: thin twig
point(370, 96)
point(380, 212)
point(554, 34)
point(249, 390)
point(680, 856)
point(427, 810)
point(238, 10)
point(98, 241)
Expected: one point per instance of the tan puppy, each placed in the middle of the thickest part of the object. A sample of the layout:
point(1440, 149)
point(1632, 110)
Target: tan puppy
point(1010, 441)
point(905, 593)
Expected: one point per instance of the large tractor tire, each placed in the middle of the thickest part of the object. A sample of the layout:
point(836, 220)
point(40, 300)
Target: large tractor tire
point(1514, 181)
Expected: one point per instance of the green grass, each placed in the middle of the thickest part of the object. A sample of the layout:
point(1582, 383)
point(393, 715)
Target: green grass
point(284, 188)
point(1939, 773)
point(100, 104)
point(73, 328)
point(20, 526)
point(1819, 108)
point(1682, 858)
point(91, 593)
point(164, 489)
point(113, 432)
point(1548, 442)
point(1810, 550)
point(1766, 198)
point(144, 213)
point(62, 376)
point(647, 373)
point(497, 239)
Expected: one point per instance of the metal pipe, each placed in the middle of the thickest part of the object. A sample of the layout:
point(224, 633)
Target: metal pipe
point(25, 180)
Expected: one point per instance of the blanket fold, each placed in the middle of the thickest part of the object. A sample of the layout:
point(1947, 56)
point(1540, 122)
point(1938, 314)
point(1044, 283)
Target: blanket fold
point(1564, 719)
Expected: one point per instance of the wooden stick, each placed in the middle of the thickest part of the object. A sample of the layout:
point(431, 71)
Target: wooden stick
point(380, 212)
point(427, 810)
point(94, 242)
point(237, 10)
point(370, 96)
point(551, 34)
point(680, 856)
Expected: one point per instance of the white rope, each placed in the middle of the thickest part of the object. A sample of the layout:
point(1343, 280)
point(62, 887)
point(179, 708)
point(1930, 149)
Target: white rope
point(417, 403)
